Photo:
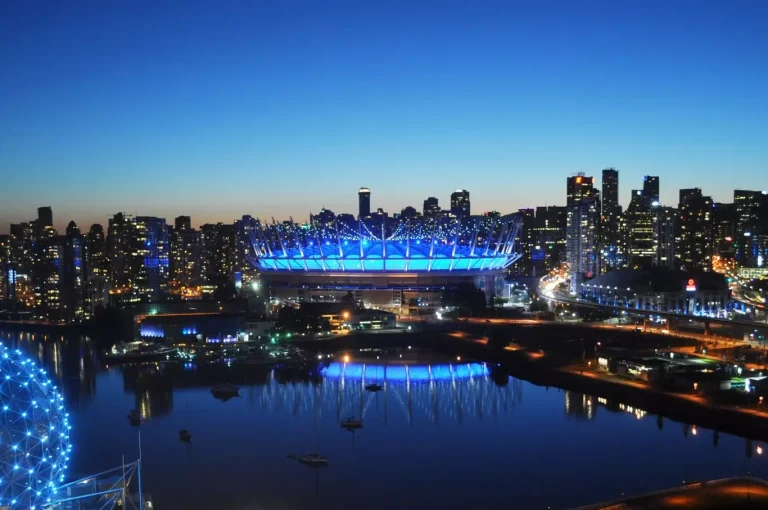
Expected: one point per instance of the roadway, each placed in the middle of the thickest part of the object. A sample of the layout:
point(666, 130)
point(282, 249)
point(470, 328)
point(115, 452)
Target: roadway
point(549, 291)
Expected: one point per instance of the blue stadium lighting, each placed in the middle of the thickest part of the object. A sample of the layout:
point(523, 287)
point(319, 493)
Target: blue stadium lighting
point(34, 424)
point(440, 247)
point(403, 373)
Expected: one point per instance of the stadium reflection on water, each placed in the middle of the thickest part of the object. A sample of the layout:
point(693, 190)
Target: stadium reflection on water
point(458, 430)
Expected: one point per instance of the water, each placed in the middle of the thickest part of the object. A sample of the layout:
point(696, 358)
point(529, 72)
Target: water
point(451, 443)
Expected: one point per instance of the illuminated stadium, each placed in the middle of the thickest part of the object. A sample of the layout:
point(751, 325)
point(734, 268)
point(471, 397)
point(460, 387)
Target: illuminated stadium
point(414, 257)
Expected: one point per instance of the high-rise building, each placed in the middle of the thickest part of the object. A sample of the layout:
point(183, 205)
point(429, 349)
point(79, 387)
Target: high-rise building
point(460, 203)
point(73, 274)
point(46, 275)
point(651, 189)
point(185, 253)
point(639, 230)
point(579, 188)
point(582, 241)
point(431, 207)
point(97, 269)
point(218, 253)
point(7, 278)
point(549, 237)
point(525, 243)
point(664, 220)
point(695, 226)
point(724, 226)
point(752, 218)
point(118, 253)
point(244, 252)
point(44, 217)
point(364, 202)
point(324, 218)
point(149, 257)
point(611, 246)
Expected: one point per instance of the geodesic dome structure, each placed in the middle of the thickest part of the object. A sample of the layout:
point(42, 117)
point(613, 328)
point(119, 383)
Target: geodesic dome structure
point(34, 434)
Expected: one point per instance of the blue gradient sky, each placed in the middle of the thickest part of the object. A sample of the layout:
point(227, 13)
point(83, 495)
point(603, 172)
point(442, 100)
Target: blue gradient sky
point(216, 110)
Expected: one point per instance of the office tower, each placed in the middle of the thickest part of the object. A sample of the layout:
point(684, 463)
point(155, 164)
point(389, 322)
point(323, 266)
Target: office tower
point(431, 207)
point(149, 257)
point(182, 223)
point(611, 246)
point(651, 188)
point(549, 238)
point(364, 203)
point(695, 227)
point(73, 274)
point(118, 253)
point(44, 217)
point(578, 188)
point(460, 203)
point(724, 227)
point(664, 221)
point(639, 231)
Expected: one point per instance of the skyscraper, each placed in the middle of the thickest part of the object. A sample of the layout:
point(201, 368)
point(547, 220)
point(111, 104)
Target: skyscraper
point(460, 203)
point(97, 269)
point(578, 188)
point(44, 217)
point(724, 227)
point(149, 257)
point(73, 274)
point(583, 230)
point(639, 229)
point(582, 241)
point(664, 221)
point(550, 228)
point(695, 226)
point(364, 202)
point(185, 252)
point(611, 249)
point(651, 189)
point(610, 205)
point(431, 207)
point(118, 253)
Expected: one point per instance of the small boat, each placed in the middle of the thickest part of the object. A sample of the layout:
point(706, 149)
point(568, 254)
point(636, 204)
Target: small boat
point(185, 436)
point(134, 417)
point(225, 391)
point(351, 423)
point(313, 460)
point(374, 387)
point(138, 351)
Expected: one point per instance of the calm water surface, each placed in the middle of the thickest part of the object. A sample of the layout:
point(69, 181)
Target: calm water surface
point(449, 436)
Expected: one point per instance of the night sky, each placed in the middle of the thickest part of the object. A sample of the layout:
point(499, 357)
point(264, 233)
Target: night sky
point(275, 109)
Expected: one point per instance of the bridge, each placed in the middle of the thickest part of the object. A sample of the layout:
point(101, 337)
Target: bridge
point(550, 293)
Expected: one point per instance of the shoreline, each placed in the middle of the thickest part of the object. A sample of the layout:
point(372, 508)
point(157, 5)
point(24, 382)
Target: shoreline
point(521, 364)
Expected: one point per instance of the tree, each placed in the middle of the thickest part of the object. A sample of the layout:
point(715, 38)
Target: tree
point(348, 299)
point(464, 296)
point(539, 305)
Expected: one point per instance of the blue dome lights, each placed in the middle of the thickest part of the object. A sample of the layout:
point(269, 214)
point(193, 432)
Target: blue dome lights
point(475, 245)
point(34, 434)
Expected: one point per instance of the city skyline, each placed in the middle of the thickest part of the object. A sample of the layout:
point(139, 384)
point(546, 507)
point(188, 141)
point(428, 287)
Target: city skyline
point(161, 112)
